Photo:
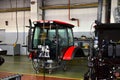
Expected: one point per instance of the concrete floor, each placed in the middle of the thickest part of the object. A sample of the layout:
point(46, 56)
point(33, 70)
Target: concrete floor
point(22, 65)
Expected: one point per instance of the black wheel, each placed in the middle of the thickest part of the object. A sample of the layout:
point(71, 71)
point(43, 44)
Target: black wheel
point(36, 65)
point(1, 60)
point(64, 66)
point(90, 75)
point(93, 77)
point(86, 77)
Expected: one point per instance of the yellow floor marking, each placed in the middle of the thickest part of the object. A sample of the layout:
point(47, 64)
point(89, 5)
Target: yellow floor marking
point(19, 62)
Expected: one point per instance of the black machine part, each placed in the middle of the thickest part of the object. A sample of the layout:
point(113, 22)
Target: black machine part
point(1, 60)
point(107, 32)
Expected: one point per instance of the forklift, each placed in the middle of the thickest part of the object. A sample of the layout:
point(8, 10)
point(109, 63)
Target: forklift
point(51, 44)
point(104, 61)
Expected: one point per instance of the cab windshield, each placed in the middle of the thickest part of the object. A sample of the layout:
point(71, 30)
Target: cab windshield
point(62, 37)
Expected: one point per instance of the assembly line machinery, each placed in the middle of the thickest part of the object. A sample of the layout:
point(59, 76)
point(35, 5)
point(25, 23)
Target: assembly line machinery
point(104, 61)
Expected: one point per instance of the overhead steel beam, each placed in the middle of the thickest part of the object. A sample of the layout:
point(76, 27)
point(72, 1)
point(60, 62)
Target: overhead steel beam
point(89, 5)
point(14, 9)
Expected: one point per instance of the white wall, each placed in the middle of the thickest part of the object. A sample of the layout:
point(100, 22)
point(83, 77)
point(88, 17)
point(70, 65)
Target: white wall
point(11, 18)
point(10, 29)
point(85, 16)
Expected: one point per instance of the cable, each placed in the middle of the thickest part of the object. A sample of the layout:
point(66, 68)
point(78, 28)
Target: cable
point(16, 27)
point(24, 38)
point(23, 23)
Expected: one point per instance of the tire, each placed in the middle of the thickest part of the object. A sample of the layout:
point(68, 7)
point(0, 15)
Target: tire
point(36, 65)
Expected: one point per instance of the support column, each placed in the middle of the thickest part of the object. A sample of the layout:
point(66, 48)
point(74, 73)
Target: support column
point(34, 10)
point(99, 12)
point(114, 4)
point(107, 11)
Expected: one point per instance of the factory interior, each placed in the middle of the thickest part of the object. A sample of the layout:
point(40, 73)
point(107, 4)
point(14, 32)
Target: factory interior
point(59, 40)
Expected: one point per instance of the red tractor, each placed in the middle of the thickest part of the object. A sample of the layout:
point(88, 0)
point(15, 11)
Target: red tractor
point(51, 44)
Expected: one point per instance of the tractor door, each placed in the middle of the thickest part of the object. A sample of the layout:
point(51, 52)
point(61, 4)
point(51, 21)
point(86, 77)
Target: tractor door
point(65, 38)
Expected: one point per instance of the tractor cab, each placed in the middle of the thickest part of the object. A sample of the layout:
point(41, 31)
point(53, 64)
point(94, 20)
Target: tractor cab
point(56, 35)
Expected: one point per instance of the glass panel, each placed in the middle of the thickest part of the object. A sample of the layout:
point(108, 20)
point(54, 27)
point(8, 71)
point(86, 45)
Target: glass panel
point(70, 37)
point(63, 39)
point(51, 34)
point(36, 37)
point(40, 36)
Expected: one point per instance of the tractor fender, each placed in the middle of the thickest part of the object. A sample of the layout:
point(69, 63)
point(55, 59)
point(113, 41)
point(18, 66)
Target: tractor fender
point(73, 51)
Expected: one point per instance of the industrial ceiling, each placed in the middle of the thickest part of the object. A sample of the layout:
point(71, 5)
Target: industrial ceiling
point(24, 5)
point(65, 2)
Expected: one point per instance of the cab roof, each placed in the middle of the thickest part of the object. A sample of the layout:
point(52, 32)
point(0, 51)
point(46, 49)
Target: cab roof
point(54, 22)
